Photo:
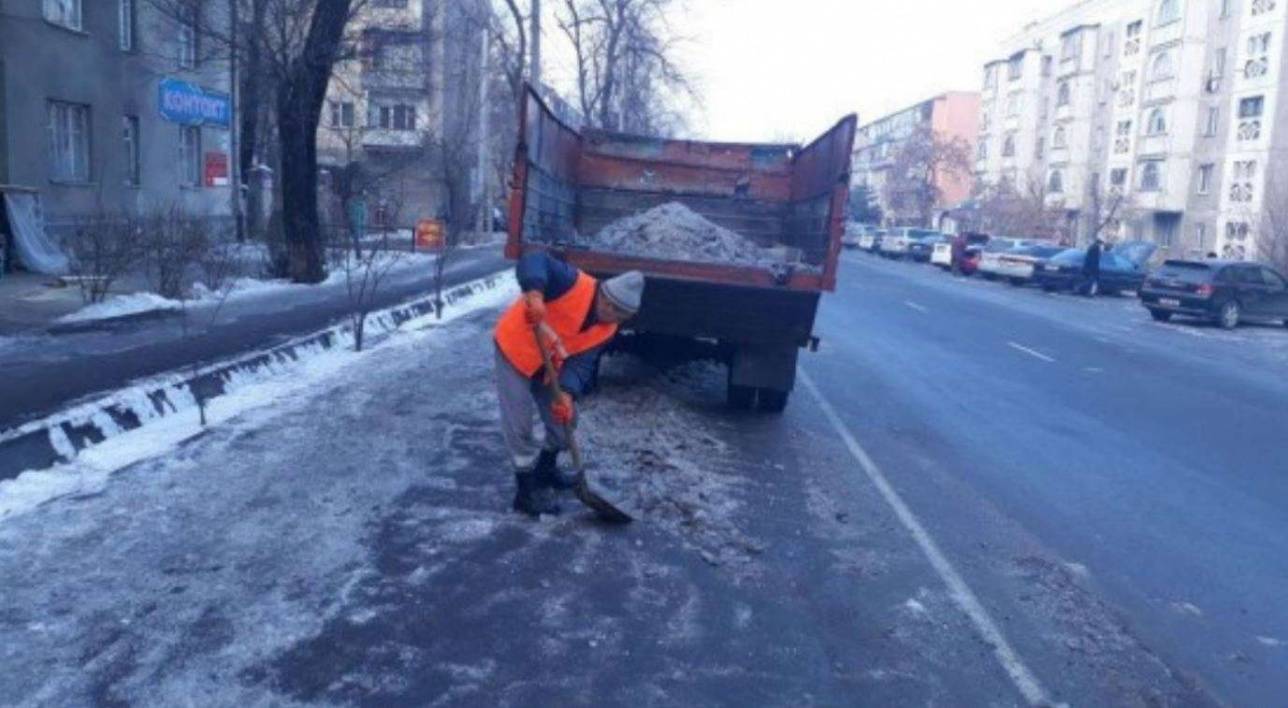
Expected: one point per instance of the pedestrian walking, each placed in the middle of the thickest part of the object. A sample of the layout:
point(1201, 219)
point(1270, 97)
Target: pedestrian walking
point(1091, 268)
point(577, 317)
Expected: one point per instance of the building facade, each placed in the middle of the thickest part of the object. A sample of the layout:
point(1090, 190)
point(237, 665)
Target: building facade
point(1155, 117)
point(403, 115)
point(109, 106)
point(952, 116)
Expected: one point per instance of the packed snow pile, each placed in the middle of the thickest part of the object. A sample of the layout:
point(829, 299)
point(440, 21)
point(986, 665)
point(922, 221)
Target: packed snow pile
point(121, 306)
point(675, 232)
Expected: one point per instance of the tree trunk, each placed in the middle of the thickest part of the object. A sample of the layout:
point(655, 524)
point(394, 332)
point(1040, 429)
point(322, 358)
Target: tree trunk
point(252, 86)
point(299, 110)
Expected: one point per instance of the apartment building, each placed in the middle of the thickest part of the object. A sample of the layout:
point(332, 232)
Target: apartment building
point(111, 106)
point(1163, 107)
point(948, 116)
point(403, 114)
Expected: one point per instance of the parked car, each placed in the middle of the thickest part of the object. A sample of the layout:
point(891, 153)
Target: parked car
point(1225, 292)
point(868, 240)
point(994, 249)
point(898, 242)
point(943, 253)
point(854, 233)
point(921, 248)
point(1016, 266)
point(1122, 268)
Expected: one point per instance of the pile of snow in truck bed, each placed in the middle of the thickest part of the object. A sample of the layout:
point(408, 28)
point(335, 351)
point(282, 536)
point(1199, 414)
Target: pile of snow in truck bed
point(675, 232)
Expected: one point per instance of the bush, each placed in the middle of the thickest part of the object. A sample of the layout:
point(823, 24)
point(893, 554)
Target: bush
point(104, 248)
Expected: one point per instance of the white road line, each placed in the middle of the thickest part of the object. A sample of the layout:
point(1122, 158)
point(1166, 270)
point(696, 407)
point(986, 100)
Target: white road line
point(1031, 352)
point(915, 306)
point(1020, 675)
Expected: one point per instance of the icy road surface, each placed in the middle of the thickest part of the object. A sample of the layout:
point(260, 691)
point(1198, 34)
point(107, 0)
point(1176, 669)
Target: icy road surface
point(350, 544)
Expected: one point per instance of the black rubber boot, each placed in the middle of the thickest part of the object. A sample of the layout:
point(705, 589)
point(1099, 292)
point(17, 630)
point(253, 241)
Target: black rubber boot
point(531, 499)
point(549, 475)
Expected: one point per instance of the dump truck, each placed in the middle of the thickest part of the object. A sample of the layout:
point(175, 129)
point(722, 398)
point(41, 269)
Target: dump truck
point(753, 318)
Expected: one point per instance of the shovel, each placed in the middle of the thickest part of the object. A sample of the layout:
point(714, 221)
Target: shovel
point(605, 510)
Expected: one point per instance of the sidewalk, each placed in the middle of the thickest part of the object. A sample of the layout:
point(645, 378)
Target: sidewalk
point(30, 302)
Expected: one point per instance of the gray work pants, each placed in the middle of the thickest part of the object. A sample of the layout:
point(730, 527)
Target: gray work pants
point(518, 400)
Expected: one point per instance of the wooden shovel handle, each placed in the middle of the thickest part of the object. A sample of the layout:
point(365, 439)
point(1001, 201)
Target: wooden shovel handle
point(552, 381)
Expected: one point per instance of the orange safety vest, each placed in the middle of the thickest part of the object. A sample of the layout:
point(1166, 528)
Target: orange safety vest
point(565, 314)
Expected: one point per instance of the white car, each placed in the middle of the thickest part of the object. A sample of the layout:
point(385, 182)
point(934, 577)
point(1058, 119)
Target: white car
point(990, 258)
point(867, 240)
point(1017, 265)
point(896, 242)
point(942, 256)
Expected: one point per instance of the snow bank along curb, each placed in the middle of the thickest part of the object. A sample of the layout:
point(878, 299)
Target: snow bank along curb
point(61, 437)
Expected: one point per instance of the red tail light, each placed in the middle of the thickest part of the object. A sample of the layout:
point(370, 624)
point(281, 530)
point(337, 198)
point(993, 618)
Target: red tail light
point(1205, 290)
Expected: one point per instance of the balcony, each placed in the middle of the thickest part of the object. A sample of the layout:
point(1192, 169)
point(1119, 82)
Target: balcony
point(380, 138)
point(1160, 90)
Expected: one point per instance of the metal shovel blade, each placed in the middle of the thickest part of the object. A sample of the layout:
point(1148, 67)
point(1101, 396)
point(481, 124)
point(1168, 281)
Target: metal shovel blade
point(605, 510)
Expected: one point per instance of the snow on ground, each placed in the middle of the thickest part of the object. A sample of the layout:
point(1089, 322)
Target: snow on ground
point(242, 290)
point(92, 468)
point(344, 537)
point(121, 306)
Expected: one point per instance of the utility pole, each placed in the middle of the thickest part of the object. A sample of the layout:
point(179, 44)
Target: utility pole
point(234, 124)
point(534, 41)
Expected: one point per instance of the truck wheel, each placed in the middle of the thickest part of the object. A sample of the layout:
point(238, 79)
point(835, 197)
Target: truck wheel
point(773, 401)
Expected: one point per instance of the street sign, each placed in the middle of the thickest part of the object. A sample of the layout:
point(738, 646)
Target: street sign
point(189, 104)
point(429, 235)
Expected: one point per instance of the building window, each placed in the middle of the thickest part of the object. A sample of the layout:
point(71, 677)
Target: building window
point(391, 116)
point(188, 39)
point(1169, 11)
point(1260, 7)
point(1225, 9)
point(1015, 67)
point(982, 150)
point(1157, 124)
point(1012, 105)
point(1127, 88)
point(1213, 122)
point(1008, 145)
point(1162, 67)
point(1242, 177)
point(1131, 44)
point(1250, 110)
point(1151, 176)
point(1070, 47)
point(66, 13)
point(69, 141)
point(1039, 148)
point(1205, 178)
point(1258, 62)
point(1055, 184)
point(1200, 237)
point(1060, 140)
point(391, 3)
point(130, 135)
point(1118, 177)
point(190, 156)
point(1062, 94)
point(341, 114)
point(125, 16)
point(1122, 137)
point(990, 77)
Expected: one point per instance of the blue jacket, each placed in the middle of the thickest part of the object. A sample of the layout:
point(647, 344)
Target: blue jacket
point(553, 277)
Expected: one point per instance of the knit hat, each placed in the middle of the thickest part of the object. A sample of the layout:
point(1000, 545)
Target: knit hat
point(625, 291)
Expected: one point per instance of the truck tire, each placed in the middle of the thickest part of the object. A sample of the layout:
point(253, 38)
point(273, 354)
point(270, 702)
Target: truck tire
point(773, 401)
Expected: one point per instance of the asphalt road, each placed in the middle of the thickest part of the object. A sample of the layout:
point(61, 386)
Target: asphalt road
point(44, 372)
point(1150, 458)
point(978, 496)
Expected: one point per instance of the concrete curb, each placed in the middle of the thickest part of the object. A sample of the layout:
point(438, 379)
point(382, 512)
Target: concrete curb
point(60, 437)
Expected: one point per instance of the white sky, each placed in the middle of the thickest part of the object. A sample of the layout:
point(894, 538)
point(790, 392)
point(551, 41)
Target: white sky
point(788, 69)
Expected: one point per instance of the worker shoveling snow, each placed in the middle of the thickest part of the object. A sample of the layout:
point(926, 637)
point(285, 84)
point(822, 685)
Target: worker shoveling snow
point(675, 232)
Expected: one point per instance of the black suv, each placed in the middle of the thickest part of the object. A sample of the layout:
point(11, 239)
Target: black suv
point(1226, 292)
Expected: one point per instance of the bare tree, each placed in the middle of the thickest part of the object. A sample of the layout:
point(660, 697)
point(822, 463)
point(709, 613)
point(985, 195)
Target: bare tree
point(1005, 208)
point(1105, 209)
point(103, 250)
point(627, 78)
point(921, 165)
point(293, 46)
point(1272, 225)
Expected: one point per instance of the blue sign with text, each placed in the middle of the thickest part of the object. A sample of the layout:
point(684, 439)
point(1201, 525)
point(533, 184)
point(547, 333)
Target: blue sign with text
point(189, 104)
